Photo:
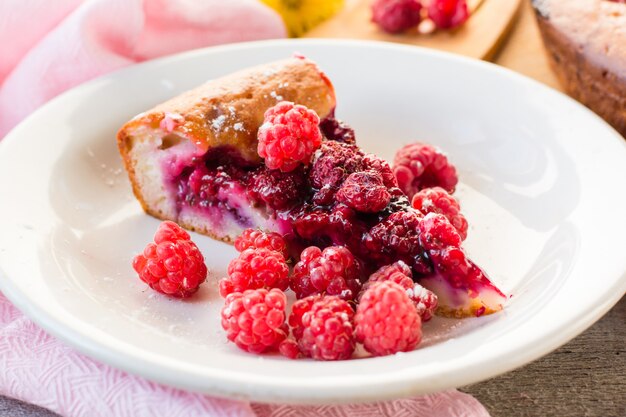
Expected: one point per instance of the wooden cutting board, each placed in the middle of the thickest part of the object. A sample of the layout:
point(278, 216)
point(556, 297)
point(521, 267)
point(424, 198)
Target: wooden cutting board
point(479, 37)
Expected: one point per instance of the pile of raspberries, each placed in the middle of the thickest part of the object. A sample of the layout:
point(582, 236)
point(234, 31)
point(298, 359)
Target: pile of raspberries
point(336, 309)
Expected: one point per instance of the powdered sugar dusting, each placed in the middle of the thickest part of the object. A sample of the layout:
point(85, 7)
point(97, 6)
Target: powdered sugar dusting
point(269, 72)
point(239, 127)
point(218, 123)
point(276, 96)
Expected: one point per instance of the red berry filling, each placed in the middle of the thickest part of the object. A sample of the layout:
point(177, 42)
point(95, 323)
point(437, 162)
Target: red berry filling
point(289, 136)
point(382, 167)
point(364, 192)
point(464, 288)
point(255, 319)
point(337, 130)
point(397, 238)
point(333, 202)
point(333, 163)
point(171, 265)
point(343, 198)
point(279, 190)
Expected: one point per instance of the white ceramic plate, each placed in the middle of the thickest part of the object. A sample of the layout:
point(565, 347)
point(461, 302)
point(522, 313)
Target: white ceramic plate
point(542, 186)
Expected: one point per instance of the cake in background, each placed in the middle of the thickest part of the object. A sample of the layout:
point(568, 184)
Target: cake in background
point(586, 43)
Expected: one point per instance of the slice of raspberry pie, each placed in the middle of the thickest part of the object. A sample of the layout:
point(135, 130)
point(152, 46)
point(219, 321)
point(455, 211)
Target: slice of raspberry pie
point(195, 160)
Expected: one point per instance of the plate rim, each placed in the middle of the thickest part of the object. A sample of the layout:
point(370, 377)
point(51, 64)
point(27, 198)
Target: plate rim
point(361, 392)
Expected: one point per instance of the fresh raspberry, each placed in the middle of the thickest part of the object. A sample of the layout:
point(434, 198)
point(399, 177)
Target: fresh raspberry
point(364, 192)
point(297, 311)
point(396, 272)
point(400, 273)
point(418, 166)
point(437, 200)
point(258, 239)
point(333, 271)
point(289, 349)
point(397, 238)
point(395, 16)
point(386, 320)
point(169, 231)
point(333, 163)
point(255, 319)
point(436, 232)
point(448, 14)
point(323, 327)
point(289, 135)
point(279, 190)
point(337, 130)
point(255, 268)
point(173, 264)
point(426, 302)
point(382, 167)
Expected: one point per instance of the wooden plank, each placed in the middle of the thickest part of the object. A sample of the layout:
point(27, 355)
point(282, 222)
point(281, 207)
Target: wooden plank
point(524, 51)
point(586, 377)
point(479, 37)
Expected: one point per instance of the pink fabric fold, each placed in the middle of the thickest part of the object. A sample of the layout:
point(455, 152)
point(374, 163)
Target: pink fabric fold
point(50, 46)
point(37, 368)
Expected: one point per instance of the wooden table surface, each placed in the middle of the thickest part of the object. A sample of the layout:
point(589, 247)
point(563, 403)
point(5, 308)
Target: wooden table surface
point(587, 376)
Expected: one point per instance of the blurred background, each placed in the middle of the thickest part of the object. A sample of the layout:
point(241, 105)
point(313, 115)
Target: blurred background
point(53, 45)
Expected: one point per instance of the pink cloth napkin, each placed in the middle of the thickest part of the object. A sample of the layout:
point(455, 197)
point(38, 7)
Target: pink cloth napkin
point(50, 46)
point(37, 368)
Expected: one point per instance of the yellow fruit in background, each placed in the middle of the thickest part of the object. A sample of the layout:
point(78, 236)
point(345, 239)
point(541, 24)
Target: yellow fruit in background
point(303, 15)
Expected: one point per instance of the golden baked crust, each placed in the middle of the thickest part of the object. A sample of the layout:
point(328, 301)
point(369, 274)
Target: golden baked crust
point(229, 110)
point(203, 230)
point(223, 112)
